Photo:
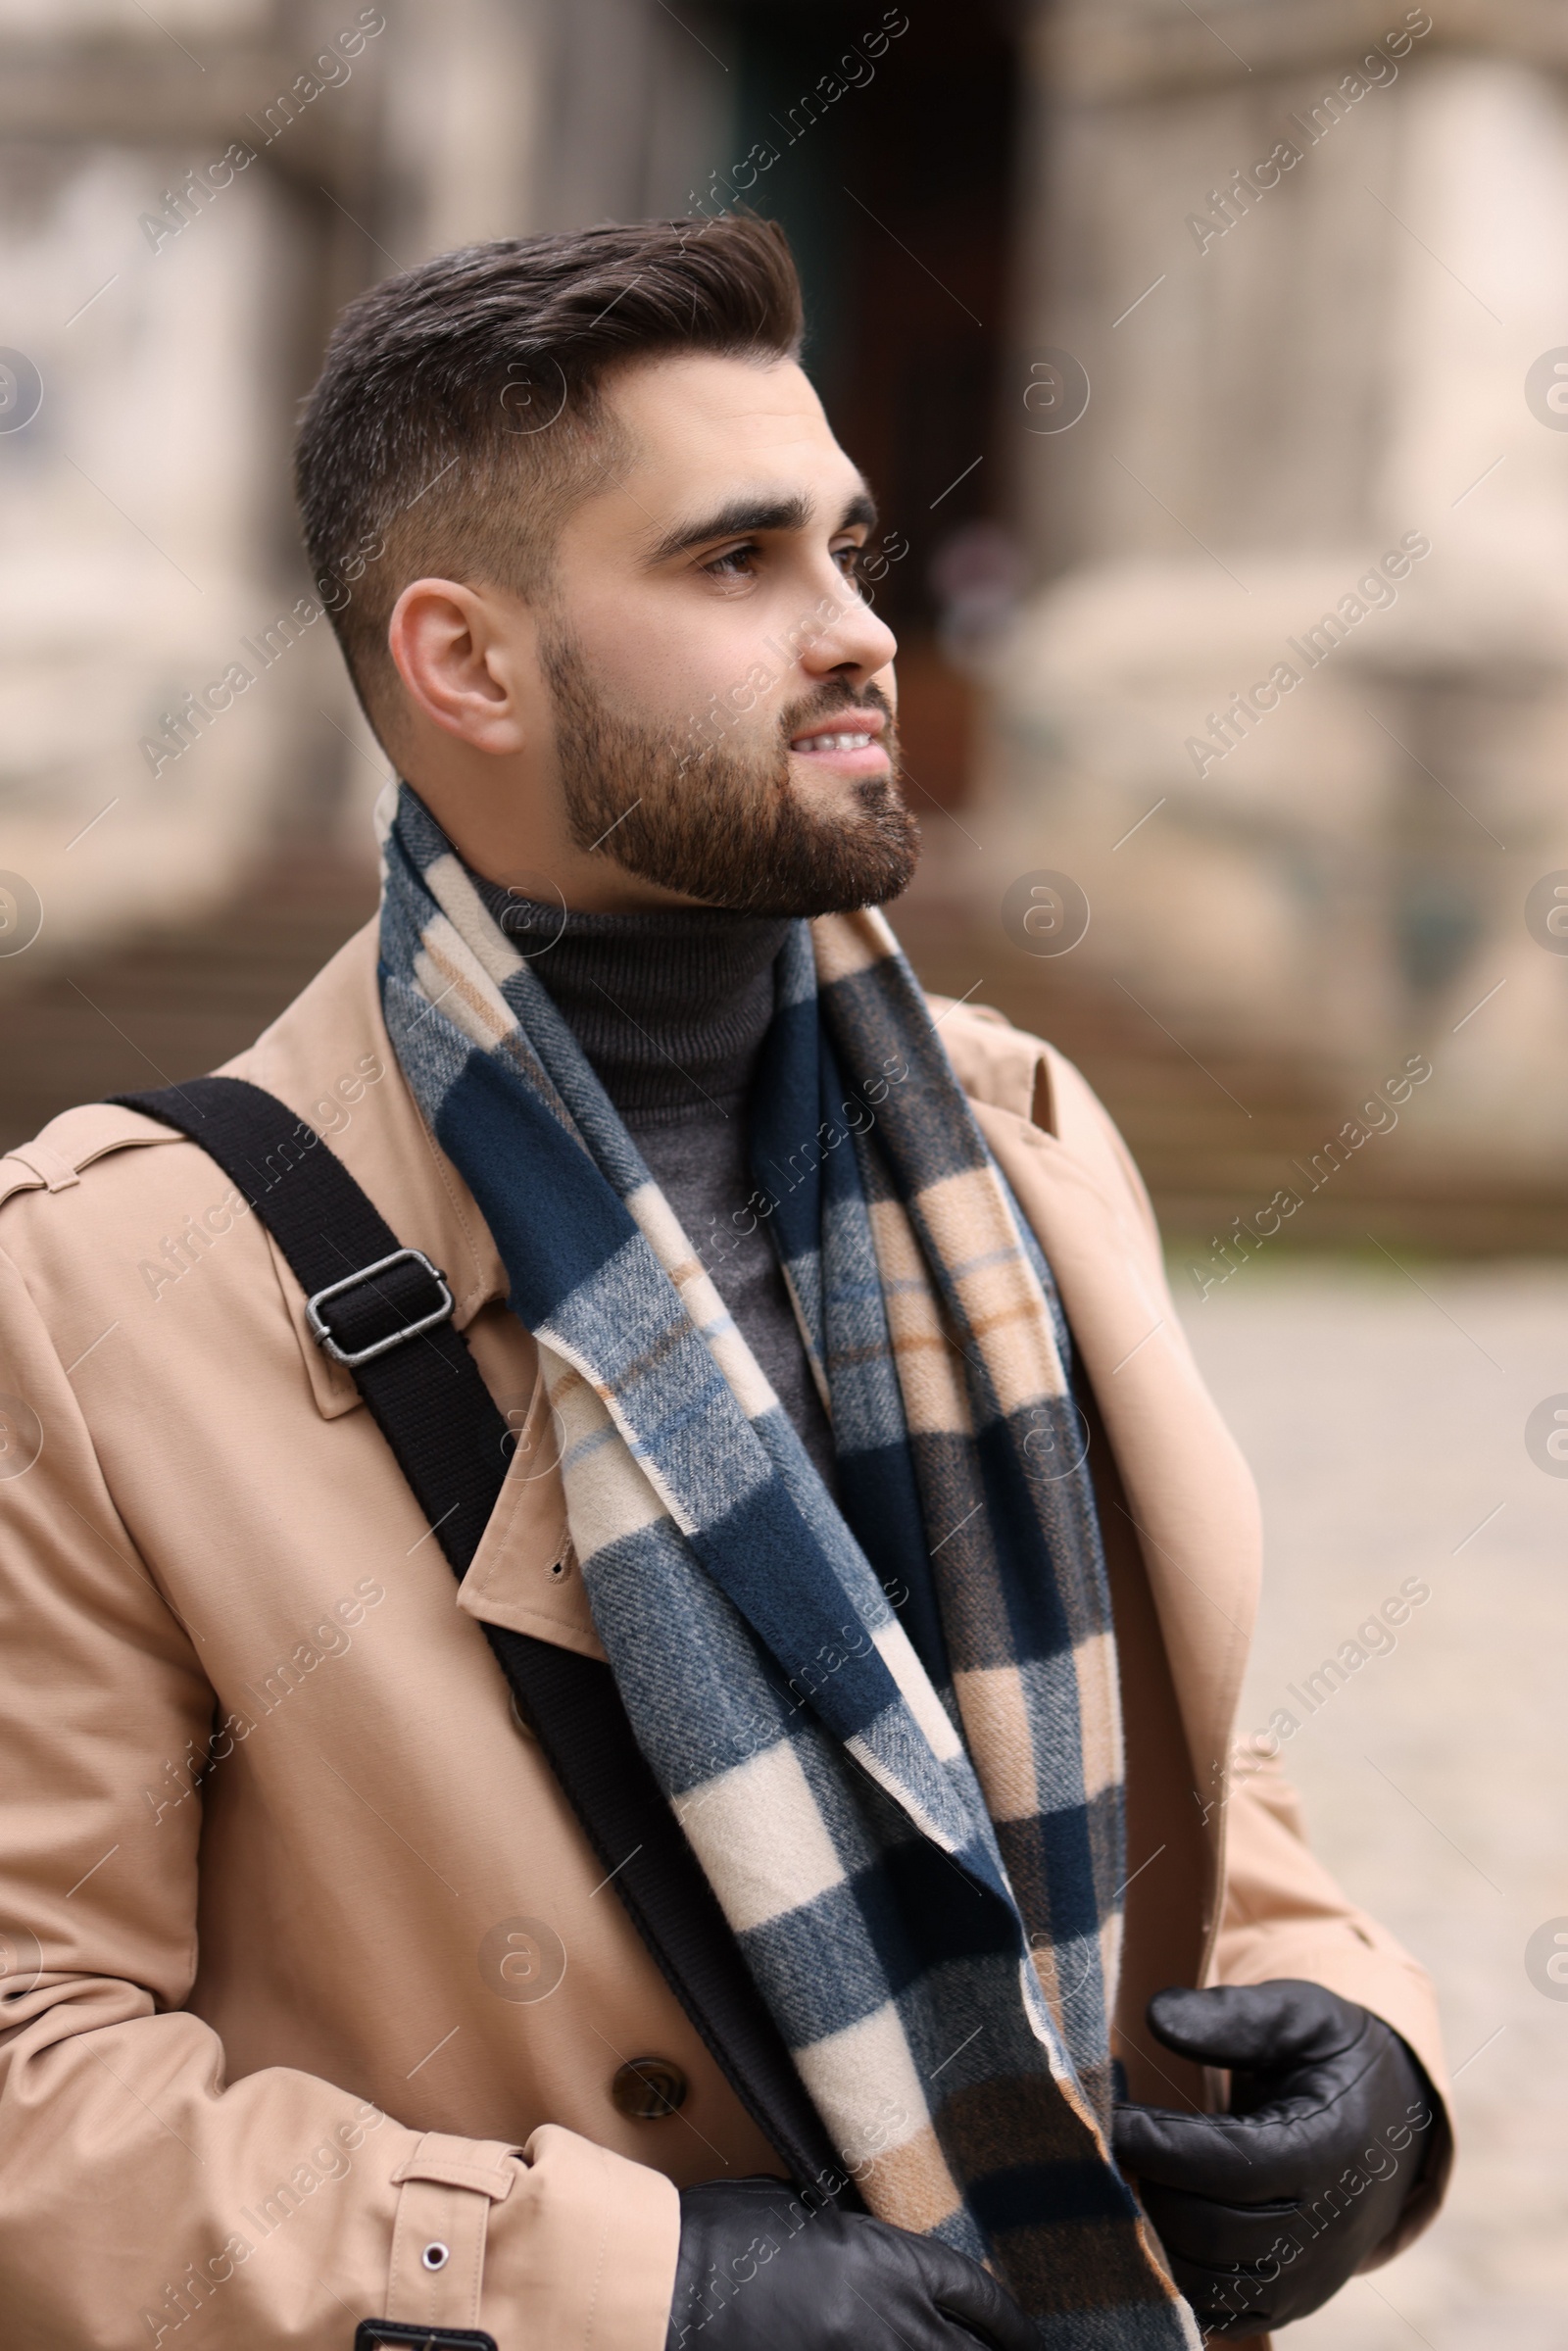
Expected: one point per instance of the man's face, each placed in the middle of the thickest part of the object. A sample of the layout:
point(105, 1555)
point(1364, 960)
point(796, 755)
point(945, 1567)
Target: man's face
point(723, 698)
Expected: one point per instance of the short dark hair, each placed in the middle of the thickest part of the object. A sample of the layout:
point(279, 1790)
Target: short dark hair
point(458, 416)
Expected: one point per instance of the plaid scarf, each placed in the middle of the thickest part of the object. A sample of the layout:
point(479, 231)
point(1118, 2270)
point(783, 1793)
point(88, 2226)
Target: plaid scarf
point(889, 1728)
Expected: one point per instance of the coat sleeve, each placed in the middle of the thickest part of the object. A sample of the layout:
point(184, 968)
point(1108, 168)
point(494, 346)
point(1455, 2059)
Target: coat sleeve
point(140, 2190)
point(1283, 1915)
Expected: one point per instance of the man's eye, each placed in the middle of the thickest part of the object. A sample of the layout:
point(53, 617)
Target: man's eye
point(734, 564)
point(849, 560)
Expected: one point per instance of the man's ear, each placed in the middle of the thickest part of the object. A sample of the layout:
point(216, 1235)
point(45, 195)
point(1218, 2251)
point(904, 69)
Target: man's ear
point(456, 651)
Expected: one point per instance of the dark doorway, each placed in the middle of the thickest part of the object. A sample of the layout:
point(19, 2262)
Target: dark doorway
point(890, 134)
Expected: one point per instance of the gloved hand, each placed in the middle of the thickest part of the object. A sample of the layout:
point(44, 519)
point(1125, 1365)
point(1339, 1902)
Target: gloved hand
point(761, 2270)
point(1266, 2212)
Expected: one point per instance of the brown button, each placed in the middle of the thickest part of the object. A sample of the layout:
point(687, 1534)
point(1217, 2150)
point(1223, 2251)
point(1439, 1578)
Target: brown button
point(647, 2089)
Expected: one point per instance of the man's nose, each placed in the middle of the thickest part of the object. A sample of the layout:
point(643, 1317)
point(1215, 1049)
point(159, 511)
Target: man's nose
point(854, 642)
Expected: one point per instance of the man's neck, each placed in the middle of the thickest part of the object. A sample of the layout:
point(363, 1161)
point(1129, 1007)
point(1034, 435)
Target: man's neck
point(671, 1007)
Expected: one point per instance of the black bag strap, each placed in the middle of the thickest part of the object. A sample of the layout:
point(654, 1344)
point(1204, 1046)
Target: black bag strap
point(385, 1311)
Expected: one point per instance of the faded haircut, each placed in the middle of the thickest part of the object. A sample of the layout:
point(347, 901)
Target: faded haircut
point(459, 415)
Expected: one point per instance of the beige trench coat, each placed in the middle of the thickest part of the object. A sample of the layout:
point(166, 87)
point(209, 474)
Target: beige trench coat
point(307, 1963)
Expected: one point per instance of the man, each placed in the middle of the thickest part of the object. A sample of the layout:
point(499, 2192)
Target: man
point(855, 1471)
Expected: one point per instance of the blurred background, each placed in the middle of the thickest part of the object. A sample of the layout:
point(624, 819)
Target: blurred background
point(1212, 370)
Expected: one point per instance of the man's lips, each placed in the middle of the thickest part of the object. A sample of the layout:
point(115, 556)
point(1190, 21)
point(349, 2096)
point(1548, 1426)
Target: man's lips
point(849, 740)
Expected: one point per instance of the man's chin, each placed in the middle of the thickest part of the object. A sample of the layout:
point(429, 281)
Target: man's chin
point(838, 871)
point(823, 871)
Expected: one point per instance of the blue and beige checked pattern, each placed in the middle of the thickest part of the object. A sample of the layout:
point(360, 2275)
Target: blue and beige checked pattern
point(889, 1728)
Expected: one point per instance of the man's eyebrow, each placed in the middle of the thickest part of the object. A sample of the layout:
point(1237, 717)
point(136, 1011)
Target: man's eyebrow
point(745, 514)
point(861, 511)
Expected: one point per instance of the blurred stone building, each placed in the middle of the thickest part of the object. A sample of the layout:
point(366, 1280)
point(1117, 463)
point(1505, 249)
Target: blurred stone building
point(1309, 256)
point(1157, 331)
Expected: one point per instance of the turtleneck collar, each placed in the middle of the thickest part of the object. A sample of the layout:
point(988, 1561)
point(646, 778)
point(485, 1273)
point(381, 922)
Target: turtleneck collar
point(671, 1007)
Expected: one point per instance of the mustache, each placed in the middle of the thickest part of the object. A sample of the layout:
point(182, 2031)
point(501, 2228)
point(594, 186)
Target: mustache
point(828, 701)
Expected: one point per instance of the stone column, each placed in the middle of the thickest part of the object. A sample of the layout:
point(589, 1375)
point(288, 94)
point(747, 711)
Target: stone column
point(1304, 619)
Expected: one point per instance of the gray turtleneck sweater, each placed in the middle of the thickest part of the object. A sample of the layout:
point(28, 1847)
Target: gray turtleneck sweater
point(672, 1008)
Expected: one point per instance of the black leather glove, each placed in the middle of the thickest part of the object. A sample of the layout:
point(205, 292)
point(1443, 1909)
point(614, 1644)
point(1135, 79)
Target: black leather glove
point(761, 2270)
point(1266, 2212)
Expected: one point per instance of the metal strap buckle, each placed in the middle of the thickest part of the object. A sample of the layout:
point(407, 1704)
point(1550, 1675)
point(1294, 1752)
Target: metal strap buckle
point(380, 1347)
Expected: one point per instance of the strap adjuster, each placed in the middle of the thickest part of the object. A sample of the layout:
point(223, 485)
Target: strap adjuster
point(354, 1358)
point(372, 2334)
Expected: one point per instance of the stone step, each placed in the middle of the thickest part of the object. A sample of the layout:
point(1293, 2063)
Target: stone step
point(176, 1004)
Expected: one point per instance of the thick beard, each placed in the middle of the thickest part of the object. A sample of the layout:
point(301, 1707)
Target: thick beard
point(723, 823)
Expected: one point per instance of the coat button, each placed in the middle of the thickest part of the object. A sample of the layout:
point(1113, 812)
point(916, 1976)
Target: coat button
point(647, 2089)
